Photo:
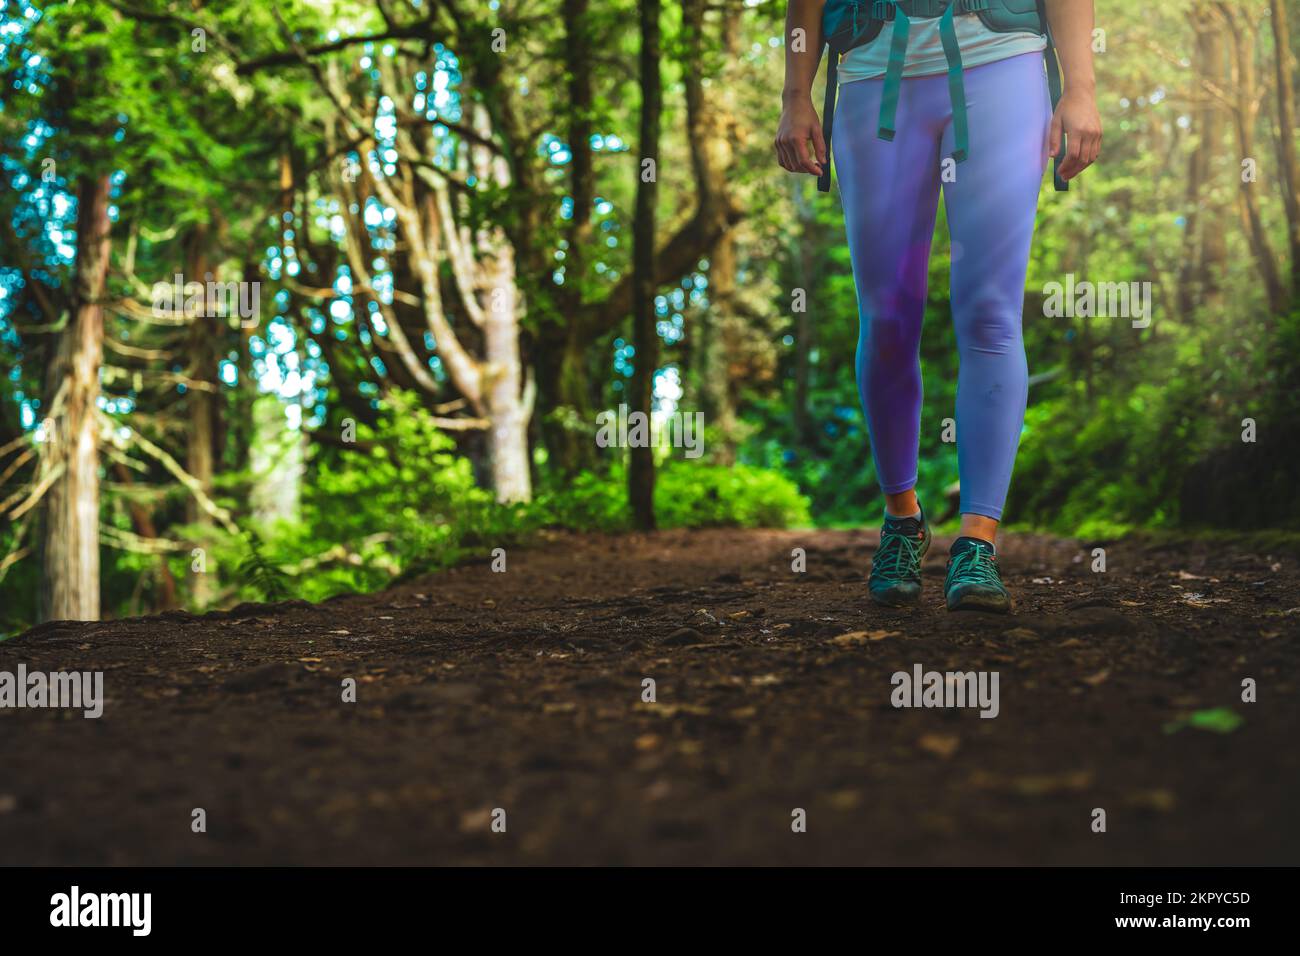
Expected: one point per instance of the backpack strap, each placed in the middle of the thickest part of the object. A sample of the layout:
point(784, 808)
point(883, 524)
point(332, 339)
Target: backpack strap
point(956, 84)
point(894, 67)
point(828, 115)
point(1054, 91)
point(898, 54)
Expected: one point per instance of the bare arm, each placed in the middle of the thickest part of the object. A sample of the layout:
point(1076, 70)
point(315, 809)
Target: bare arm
point(1076, 114)
point(803, 52)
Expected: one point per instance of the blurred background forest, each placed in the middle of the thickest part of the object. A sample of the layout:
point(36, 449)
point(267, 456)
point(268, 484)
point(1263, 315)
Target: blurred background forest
point(435, 260)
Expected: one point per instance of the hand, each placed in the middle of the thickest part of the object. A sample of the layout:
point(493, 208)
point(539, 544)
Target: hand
point(798, 125)
point(1076, 114)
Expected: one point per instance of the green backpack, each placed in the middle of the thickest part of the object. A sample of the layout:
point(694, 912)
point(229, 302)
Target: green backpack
point(851, 23)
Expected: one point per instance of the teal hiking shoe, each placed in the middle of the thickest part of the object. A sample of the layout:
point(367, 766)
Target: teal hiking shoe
point(895, 579)
point(973, 582)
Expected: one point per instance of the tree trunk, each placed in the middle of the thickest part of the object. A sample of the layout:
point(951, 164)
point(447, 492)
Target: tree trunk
point(1243, 69)
point(1286, 119)
point(201, 405)
point(564, 383)
point(645, 337)
point(713, 130)
point(503, 385)
point(562, 368)
point(1204, 249)
point(145, 528)
point(277, 460)
point(71, 527)
point(715, 366)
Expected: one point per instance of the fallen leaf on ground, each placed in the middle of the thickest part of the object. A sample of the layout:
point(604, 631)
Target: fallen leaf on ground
point(475, 821)
point(861, 637)
point(941, 745)
point(846, 799)
point(672, 710)
point(1036, 785)
point(1161, 800)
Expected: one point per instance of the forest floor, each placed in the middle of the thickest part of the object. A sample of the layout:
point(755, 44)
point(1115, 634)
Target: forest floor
point(479, 690)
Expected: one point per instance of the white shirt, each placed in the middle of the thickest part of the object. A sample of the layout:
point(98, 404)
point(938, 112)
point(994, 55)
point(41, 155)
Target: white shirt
point(977, 43)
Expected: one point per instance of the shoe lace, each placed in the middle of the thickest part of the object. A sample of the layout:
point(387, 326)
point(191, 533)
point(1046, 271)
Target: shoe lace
point(897, 556)
point(975, 565)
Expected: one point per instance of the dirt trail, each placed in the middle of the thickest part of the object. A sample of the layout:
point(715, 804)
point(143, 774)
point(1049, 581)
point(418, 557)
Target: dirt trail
point(522, 691)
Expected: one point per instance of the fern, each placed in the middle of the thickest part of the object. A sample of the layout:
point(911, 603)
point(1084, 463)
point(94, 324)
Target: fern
point(257, 572)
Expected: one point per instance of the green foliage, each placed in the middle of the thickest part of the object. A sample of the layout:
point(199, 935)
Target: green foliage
point(404, 503)
point(21, 588)
point(1219, 720)
point(255, 571)
point(741, 496)
point(1168, 451)
point(589, 501)
point(1126, 428)
point(688, 494)
point(1141, 438)
point(405, 479)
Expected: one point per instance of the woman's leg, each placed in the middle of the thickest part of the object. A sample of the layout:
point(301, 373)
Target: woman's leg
point(889, 191)
point(991, 207)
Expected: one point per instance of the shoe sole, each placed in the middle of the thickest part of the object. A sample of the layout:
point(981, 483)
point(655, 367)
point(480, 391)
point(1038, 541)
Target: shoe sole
point(982, 602)
point(908, 602)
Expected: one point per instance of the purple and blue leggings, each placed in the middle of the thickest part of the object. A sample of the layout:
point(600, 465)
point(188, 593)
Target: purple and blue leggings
point(890, 193)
